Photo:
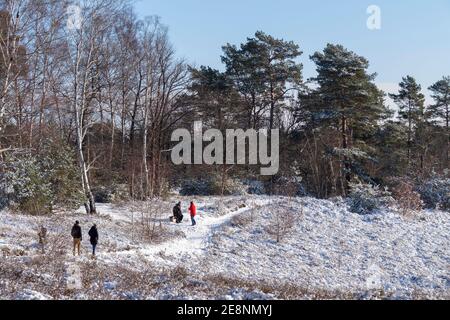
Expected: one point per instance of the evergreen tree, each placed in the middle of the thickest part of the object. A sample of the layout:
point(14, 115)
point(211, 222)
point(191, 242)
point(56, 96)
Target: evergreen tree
point(441, 109)
point(347, 99)
point(264, 70)
point(36, 183)
point(411, 103)
point(213, 97)
point(392, 149)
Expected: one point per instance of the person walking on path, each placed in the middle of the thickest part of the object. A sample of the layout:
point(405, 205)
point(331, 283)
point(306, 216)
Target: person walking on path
point(193, 211)
point(93, 235)
point(77, 238)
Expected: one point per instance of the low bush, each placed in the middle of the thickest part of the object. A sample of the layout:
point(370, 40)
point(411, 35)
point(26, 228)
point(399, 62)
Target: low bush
point(367, 199)
point(211, 186)
point(282, 222)
point(407, 199)
point(435, 193)
point(289, 186)
point(255, 187)
point(111, 193)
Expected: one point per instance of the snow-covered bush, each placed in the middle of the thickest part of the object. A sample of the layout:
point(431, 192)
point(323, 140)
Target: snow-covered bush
point(289, 186)
point(110, 194)
point(282, 222)
point(235, 187)
point(212, 185)
point(367, 199)
point(199, 187)
point(255, 187)
point(436, 193)
point(62, 173)
point(37, 183)
point(407, 199)
point(26, 186)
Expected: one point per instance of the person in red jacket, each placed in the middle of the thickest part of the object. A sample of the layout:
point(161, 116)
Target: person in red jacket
point(193, 211)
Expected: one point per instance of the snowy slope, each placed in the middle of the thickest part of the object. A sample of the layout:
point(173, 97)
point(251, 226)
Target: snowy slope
point(333, 249)
point(329, 250)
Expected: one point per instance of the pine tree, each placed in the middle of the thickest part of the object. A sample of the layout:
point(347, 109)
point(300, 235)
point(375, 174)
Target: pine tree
point(347, 99)
point(264, 70)
point(440, 110)
point(411, 103)
point(36, 183)
point(213, 97)
point(391, 147)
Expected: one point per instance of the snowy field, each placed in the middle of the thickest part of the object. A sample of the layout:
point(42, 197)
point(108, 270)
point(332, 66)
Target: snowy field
point(328, 253)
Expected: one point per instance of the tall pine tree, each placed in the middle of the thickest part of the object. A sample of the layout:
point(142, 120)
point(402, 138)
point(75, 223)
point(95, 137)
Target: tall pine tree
point(264, 70)
point(348, 99)
point(411, 103)
point(440, 110)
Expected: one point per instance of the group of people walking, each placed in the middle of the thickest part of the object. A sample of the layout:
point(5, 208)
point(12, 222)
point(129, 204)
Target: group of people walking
point(77, 233)
point(178, 213)
point(77, 236)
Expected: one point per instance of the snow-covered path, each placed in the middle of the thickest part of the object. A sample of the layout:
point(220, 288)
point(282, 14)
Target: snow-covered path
point(196, 238)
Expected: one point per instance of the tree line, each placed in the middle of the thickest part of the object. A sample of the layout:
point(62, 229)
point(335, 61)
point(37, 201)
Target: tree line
point(107, 94)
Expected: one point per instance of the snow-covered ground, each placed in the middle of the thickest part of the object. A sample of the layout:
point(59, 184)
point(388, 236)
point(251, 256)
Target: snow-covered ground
point(329, 253)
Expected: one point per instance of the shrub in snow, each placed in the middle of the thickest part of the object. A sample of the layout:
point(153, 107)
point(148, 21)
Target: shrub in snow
point(199, 187)
point(231, 187)
point(242, 220)
point(435, 193)
point(289, 186)
point(102, 194)
point(111, 193)
point(62, 173)
point(367, 199)
point(407, 199)
point(26, 185)
point(282, 222)
point(147, 220)
point(36, 183)
point(6, 191)
point(255, 187)
point(212, 185)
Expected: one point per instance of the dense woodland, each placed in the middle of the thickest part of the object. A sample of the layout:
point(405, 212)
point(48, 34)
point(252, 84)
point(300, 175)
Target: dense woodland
point(89, 109)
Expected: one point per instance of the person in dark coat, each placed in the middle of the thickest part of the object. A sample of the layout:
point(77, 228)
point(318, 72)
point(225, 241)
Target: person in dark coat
point(77, 236)
point(177, 214)
point(93, 234)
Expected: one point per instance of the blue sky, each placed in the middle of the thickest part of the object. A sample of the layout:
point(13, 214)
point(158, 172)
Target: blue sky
point(414, 37)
